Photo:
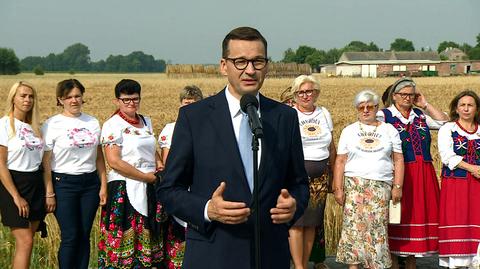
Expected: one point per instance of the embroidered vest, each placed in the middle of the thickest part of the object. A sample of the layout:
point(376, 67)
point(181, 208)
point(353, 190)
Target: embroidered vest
point(469, 149)
point(415, 136)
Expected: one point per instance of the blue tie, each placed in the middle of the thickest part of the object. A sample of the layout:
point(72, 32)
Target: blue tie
point(245, 147)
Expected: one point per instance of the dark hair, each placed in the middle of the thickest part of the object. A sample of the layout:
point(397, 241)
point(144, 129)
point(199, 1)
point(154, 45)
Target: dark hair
point(453, 104)
point(191, 92)
point(242, 33)
point(385, 96)
point(127, 86)
point(64, 87)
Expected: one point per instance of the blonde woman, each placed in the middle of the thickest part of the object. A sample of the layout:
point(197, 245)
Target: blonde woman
point(25, 197)
point(319, 150)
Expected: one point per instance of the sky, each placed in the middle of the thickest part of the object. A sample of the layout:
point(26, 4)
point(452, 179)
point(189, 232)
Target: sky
point(181, 31)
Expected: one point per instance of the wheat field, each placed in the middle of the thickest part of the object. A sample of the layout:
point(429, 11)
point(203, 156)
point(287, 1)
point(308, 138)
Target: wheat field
point(160, 102)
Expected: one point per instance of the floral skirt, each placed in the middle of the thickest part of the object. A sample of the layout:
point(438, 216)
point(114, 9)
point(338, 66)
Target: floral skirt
point(127, 238)
point(364, 237)
point(174, 244)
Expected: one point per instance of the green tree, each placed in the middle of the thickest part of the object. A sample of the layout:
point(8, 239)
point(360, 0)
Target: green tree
point(478, 40)
point(289, 56)
point(402, 44)
point(474, 54)
point(76, 57)
point(465, 48)
point(316, 58)
point(302, 53)
point(333, 55)
point(38, 70)
point(447, 44)
point(9, 63)
point(360, 46)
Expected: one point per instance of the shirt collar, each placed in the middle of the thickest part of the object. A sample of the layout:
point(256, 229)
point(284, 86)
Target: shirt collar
point(398, 114)
point(234, 103)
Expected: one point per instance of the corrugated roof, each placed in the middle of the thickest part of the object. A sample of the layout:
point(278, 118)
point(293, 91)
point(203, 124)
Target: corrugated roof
point(389, 56)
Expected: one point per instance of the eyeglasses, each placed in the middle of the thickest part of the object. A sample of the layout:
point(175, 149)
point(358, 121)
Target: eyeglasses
point(127, 101)
point(405, 95)
point(369, 108)
point(305, 93)
point(242, 63)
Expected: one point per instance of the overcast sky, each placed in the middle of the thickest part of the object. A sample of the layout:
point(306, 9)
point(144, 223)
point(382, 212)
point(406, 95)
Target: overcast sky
point(192, 31)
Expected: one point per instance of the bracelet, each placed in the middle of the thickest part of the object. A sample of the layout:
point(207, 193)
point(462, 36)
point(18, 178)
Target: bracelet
point(50, 195)
point(337, 189)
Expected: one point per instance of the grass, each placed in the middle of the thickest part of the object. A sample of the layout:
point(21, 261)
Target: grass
point(160, 102)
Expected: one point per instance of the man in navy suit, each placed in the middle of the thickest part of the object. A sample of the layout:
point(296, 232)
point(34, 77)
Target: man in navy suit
point(206, 184)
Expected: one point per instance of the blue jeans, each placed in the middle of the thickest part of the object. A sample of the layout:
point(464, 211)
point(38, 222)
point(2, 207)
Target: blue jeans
point(77, 203)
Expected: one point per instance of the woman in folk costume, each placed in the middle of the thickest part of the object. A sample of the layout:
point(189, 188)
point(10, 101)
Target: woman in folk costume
point(408, 111)
point(130, 228)
point(459, 147)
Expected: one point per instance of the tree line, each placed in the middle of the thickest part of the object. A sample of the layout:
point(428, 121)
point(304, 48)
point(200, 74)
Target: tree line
point(315, 57)
point(76, 58)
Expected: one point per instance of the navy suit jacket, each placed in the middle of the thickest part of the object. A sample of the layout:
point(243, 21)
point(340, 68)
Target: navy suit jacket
point(204, 152)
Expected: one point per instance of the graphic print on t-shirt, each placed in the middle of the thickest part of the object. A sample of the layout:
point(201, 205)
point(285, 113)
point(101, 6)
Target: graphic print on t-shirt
point(81, 137)
point(311, 128)
point(31, 141)
point(369, 141)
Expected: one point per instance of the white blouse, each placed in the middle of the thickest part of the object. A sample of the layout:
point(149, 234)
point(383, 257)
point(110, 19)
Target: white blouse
point(431, 123)
point(73, 142)
point(445, 143)
point(138, 149)
point(25, 149)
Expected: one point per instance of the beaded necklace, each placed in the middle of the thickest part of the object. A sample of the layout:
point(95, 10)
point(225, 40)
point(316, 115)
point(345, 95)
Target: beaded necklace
point(124, 117)
point(363, 131)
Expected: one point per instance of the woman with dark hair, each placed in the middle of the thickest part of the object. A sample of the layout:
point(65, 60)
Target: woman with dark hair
point(25, 195)
point(459, 148)
point(74, 157)
point(407, 109)
point(128, 236)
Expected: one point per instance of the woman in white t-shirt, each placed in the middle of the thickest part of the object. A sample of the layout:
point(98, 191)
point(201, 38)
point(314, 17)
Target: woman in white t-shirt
point(175, 236)
point(316, 129)
point(129, 237)
point(25, 197)
point(368, 172)
point(74, 156)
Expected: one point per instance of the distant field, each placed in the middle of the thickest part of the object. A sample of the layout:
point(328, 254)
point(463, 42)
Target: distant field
point(160, 102)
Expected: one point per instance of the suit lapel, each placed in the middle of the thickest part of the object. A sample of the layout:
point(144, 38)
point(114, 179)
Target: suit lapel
point(222, 122)
point(270, 126)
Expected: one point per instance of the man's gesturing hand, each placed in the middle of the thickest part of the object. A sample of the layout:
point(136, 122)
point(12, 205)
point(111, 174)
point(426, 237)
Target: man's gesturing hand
point(225, 211)
point(285, 208)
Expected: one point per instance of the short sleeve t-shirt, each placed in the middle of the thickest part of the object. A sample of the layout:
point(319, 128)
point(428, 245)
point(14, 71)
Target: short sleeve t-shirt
point(369, 150)
point(316, 131)
point(25, 149)
point(73, 142)
point(165, 137)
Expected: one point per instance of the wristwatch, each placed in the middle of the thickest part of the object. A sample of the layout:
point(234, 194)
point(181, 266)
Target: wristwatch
point(397, 186)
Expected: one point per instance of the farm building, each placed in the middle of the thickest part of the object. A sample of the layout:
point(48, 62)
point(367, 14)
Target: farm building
point(454, 68)
point(389, 63)
point(453, 54)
